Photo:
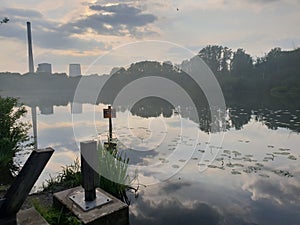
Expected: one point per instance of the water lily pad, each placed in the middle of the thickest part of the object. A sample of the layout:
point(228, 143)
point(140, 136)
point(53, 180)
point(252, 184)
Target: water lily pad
point(219, 159)
point(234, 172)
point(227, 151)
point(247, 159)
point(259, 164)
point(281, 153)
point(237, 158)
point(284, 149)
point(264, 175)
point(230, 165)
point(283, 173)
point(238, 165)
point(291, 157)
point(212, 166)
point(236, 153)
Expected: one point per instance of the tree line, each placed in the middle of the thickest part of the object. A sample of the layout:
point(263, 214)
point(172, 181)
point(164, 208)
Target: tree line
point(277, 72)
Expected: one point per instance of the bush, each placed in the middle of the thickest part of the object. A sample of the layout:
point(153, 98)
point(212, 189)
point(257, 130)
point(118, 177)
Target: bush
point(13, 133)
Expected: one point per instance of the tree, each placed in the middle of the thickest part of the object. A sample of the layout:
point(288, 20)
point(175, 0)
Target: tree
point(242, 63)
point(211, 55)
point(216, 57)
point(226, 59)
point(13, 135)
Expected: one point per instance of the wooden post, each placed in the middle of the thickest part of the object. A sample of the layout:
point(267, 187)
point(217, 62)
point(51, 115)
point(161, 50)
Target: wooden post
point(23, 183)
point(110, 125)
point(109, 113)
point(89, 169)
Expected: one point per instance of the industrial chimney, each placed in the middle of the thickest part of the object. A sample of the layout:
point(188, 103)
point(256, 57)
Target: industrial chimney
point(30, 56)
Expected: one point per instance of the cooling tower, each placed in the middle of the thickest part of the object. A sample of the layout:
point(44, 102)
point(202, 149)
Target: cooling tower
point(74, 70)
point(44, 67)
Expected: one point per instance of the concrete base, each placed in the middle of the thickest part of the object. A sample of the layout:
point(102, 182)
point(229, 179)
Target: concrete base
point(25, 217)
point(114, 212)
point(30, 217)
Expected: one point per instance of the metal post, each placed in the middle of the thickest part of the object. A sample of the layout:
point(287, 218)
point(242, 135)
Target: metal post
point(89, 169)
point(89, 197)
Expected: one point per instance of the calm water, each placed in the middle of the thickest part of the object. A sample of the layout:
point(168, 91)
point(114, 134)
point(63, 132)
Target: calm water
point(186, 175)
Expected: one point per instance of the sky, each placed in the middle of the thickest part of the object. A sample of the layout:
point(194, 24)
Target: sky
point(88, 32)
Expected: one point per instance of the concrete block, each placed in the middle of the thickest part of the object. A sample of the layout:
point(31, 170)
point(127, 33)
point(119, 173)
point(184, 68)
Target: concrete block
point(112, 213)
point(30, 217)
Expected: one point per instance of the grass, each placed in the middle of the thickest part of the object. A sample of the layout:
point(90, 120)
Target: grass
point(113, 172)
point(68, 178)
point(55, 216)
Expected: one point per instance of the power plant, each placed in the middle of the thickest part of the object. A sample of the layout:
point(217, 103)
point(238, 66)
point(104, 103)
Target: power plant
point(74, 69)
point(30, 54)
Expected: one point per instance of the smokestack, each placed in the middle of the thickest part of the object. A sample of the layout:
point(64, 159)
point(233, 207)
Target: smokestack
point(30, 56)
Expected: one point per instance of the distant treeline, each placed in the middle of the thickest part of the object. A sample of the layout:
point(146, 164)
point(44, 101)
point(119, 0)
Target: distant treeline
point(277, 73)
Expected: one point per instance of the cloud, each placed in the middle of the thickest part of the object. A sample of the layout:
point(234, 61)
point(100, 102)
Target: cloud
point(45, 33)
point(20, 13)
point(118, 20)
point(118, 8)
point(172, 211)
point(114, 20)
point(280, 191)
point(171, 186)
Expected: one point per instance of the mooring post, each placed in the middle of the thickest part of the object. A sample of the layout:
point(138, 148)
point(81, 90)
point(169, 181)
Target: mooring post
point(89, 169)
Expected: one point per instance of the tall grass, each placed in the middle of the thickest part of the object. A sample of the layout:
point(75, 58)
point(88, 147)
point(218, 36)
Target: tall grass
point(113, 171)
point(69, 177)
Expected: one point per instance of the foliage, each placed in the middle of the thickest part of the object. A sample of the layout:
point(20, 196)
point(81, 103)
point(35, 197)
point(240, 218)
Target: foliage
point(113, 173)
point(242, 63)
point(55, 216)
point(216, 57)
point(13, 132)
point(68, 178)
